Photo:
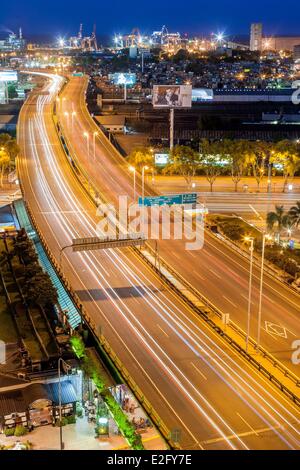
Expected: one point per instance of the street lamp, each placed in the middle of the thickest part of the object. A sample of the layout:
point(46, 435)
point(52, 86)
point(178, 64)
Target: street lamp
point(67, 367)
point(251, 240)
point(73, 115)
point(143, 181)
point(94, 143)
point(265, 237)
point(67, 116)
point(87, 137)
point(133, 170)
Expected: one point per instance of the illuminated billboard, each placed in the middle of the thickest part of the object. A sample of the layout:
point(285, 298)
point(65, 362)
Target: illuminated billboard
point(202, 94)
point(8, 76)
point(172, 96)
point(128, 79)
point(161, 159)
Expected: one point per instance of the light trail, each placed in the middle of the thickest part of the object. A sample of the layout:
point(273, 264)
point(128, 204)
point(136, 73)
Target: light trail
point(121, 262)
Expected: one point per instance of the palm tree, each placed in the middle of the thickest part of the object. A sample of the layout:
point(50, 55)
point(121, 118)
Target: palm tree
point(294, 214)
point(278, 219)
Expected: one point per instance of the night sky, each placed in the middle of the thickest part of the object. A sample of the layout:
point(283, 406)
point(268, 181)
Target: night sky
point(55, 17)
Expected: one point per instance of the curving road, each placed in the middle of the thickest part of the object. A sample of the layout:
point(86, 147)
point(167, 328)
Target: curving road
point(193, 380)
point(219, 273)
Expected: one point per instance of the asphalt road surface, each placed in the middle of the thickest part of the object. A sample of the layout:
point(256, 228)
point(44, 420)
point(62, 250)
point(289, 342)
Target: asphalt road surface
point(219, 273)
point(193, 380)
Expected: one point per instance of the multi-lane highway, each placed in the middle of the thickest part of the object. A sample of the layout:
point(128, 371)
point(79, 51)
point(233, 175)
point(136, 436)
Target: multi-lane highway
point(194, 381)
point(216, 271)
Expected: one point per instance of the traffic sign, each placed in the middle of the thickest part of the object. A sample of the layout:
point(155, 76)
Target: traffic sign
point(97, 243)
point(168, 200)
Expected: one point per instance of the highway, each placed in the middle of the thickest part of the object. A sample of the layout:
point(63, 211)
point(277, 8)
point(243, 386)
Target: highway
point(193, 380)
point(219, 273)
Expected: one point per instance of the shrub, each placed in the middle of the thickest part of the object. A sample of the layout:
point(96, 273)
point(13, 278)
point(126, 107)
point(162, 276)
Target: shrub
point(9, 432)
point(20, 431)
point(71, 419)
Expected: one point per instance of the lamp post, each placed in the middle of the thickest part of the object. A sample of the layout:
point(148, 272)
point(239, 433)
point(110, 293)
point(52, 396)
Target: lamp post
point(94, 143)
point(143, 182)
point(67, 367)
point(261, 288)
point(67, 117)
point(73, 115)
point(251, 240)
point(133, 170)
point(87, 137)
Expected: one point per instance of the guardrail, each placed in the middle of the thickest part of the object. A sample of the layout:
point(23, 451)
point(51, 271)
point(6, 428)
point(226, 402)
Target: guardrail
point(268, 268)
point(213, 309)
point(210, 308)
point(104, 343)
point(101, 340)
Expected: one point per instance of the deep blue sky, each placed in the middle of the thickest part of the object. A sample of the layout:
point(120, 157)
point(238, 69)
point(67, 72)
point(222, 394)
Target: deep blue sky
point(232, 16)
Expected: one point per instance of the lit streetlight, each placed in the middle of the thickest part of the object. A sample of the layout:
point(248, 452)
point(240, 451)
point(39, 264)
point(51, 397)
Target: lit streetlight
point(264, 238)
point(94, 143)
point(66, 367)
point(87, 137)
point(73, 116)
point(67, 117)
point(133, 170)
point(143, 181)
point(251, 240)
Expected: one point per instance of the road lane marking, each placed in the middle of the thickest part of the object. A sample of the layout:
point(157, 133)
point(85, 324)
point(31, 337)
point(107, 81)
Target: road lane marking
point(175, 254)
point(244, 434)
point(217, 275)
point(199, 371)
point(134, 298)
point(230, 301)
point(246, 298)
point(268, 298)
point(162, 330)
point(198, 275)
point(247, 424)
point(291, 332)
point(274, 329)
point(214, 242)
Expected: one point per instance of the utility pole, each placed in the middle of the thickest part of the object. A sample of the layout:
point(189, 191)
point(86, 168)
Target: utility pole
point(171, 128)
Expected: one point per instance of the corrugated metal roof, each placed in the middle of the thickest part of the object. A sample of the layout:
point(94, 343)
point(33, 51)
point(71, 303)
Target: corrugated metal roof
point(64, 299)
point(12, 402)
point(68, 394)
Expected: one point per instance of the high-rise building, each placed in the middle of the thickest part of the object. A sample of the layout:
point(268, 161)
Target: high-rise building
point(256, 37)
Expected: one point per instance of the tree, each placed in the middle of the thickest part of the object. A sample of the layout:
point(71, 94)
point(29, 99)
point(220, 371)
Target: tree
point(230, 150)
point(40, 290)
point(141, 156)
point(183, 161)
point(210, 160)
point(294, 214)
point(9, 150)
point(278, 219)
point(254, 155)
point(13, 150)
point(287, 155)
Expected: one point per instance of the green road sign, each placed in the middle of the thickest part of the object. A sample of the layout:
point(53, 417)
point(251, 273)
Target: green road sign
point(169, 200)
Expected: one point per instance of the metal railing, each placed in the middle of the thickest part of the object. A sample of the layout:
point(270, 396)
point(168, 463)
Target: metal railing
point(211, 308)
